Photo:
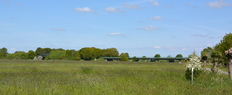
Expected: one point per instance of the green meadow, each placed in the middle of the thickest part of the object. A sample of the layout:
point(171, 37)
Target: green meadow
point(27, 77)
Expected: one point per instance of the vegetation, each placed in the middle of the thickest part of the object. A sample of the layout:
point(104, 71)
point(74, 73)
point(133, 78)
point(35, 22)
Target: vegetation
point(27, 77)
point(179, 55)
point(157, 56)
point(124, 56)
point(222, 46)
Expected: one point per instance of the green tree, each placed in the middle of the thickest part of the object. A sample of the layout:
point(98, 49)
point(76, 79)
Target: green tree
point(124, 56)
point(56, 54)
point(224, 45)
point(70, 54)
point(20, 55)
point(90, 53)
point(179, 55)
point(4, 52)
point(157, 56)
point(110, 52)
point(31, 54)
point(204, 57)
point(216, 56)
point(38, 50)
point(135, 59)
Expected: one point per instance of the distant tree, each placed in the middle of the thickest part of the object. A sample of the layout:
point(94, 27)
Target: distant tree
point(124, 56)
point(179, 55)
point(90, 53)
point(157, 56)
point(4, 52)
point(109, 52)
point(77, 55)
point(38, 50)
point(135, 59)
point(20, 55)
point(31, 54)
point(169, 56)
point(56, 54)
point(70, 54)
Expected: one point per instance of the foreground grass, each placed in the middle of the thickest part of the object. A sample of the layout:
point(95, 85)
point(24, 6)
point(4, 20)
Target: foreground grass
point(104, 78)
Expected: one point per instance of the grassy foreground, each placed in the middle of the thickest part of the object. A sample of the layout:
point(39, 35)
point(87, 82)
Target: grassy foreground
point(105, 78)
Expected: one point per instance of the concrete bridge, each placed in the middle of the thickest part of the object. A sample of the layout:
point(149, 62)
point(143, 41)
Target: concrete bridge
point(151, 59)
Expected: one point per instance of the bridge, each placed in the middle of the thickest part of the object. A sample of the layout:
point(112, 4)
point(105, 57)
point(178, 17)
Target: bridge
point(151, 59)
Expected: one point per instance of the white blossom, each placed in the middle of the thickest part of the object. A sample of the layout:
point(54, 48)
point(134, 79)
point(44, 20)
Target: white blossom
point(194, 62)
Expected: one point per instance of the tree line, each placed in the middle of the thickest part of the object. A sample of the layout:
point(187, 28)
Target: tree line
point(216, 54)
point(86, 53)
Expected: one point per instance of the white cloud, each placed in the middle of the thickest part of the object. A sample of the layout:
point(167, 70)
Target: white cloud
point(209, 45)
point(218, 4)
point(131, 6)
point(157, 47)
point(149, 28)
point(154, 3)
point(112, 34)
point(184, 49)
point(85, 9)
point(58, 29)
point(156, 18)
point(116, 34)
point(111, 9)
point(13, 49)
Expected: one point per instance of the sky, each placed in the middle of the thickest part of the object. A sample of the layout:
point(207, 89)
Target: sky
point(138, 27)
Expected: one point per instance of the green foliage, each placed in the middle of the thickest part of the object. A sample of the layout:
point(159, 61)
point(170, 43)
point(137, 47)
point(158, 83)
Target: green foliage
point(179, 55)
point(124, 56)
point(18, 55)
point(157, 56)
point(216, 54)
point(89, 53)
point(56, 54)
point(135, 59)
point(196, 73)
point(31, 54)
point(70, 54)
point(40, 50)
point(3, 52)
point(109, 52)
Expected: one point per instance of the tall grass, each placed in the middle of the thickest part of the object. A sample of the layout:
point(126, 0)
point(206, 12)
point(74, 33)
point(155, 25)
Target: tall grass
point(104, 78)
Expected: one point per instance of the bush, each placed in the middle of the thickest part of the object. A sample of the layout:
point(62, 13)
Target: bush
point(196, 73)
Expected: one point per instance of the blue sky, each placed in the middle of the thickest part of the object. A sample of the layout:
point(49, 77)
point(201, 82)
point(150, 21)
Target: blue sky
point(139, 27)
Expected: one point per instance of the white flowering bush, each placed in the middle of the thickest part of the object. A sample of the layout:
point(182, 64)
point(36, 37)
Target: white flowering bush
point(195, 64)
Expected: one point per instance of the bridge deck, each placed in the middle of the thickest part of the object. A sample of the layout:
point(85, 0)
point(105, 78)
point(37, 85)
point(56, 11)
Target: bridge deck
point(171, 59)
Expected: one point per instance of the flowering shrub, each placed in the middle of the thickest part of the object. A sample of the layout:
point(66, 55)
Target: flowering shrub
point(194, 64)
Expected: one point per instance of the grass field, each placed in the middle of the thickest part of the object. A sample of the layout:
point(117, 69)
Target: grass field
point(18, 77)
